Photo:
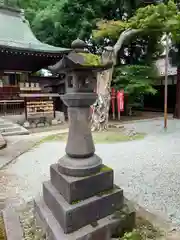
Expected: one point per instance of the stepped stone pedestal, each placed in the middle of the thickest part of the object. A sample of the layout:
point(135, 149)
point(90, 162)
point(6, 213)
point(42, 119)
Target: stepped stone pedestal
point(80, 199)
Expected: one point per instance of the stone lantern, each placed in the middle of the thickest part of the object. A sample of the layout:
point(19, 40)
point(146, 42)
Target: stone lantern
point(80, 159)
point(79, 201)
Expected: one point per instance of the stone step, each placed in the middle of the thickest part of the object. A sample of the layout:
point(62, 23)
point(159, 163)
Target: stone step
point(54, 231)
point(12, 224)
point(8, 128)
point(75, 188)
point(5, 125)
point(71, 217)
point(14, 133)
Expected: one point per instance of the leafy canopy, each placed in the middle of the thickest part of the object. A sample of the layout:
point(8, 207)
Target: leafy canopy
point(60, 22)
point(152, 20)
point(136, 80)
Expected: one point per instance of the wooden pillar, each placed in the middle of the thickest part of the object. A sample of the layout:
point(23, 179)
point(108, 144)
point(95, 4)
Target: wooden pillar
point(25, 108)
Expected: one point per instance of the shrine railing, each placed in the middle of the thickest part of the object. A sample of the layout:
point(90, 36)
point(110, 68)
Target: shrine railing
point(11, 107)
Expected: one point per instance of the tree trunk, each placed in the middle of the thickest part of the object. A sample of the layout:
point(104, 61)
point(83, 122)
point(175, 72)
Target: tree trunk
point(100, 110)
point(177, 106)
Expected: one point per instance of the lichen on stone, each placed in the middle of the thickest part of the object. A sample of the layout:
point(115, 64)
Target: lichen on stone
point(91, 59)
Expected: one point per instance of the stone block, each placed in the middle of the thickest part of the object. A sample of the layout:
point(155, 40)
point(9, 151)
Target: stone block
point(60, 116)
point(127, 217)
point(12, 224)
point(80, 188)
point(72, 217)
point(54, 122)
point(26, 124)
point(47, 221)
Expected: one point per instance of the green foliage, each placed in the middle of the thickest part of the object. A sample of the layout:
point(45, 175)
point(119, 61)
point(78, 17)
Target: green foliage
point(144, 230)
point(109, 29)
point(152, 20)
point(60, 22)
point(135, 235)
point(155, 18)
point(136, 80)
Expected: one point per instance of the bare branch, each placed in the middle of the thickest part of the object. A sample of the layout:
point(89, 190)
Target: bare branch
point(122, 38)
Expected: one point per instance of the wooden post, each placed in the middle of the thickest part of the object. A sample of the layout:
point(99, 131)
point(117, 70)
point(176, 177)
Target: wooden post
point(25, 108)
point(166, 81)
point(54, 110)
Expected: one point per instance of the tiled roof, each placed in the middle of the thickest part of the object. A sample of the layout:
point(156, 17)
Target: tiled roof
point(15, 33)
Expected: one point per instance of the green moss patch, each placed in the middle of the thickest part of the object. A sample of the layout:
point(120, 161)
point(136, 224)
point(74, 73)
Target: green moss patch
point(99, 137)
point(101, 194)
point(76, 202)
point(105, 169)
point(91, 59)
point(144, 230)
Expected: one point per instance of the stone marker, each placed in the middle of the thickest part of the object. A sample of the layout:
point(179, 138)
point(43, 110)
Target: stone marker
point(79, 201)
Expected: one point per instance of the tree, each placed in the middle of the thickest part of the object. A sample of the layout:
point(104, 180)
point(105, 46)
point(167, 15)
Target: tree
point(100, 115)
point(136, 80)
point(149, 23)
point(61, 22)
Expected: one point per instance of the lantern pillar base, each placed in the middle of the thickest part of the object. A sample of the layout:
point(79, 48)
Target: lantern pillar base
point(79, 167)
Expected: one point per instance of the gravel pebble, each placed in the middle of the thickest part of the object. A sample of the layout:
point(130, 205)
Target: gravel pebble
point(29, 224)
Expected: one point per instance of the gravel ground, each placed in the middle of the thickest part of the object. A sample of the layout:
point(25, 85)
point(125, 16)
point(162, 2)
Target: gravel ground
point(148, 170)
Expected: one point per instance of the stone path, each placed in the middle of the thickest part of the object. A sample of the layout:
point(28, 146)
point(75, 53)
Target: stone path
point(148, 170)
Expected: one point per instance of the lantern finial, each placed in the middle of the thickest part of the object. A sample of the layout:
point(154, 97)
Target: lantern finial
point(78, 44)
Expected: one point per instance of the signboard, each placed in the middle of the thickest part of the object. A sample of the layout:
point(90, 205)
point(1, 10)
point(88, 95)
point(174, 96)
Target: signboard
point(39, 108)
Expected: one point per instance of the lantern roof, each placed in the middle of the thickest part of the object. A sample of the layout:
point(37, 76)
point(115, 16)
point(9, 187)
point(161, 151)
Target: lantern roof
point(16, 34)
point(80, 61)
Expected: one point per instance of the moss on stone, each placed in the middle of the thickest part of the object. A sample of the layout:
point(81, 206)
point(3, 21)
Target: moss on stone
point(76, 202)
point(91, 59)
point(106, 192)
point(2, 229)
point(105, 169)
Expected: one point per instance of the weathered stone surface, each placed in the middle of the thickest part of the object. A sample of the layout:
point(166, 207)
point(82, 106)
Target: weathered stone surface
point(79, 188)
point(26, 124)
point(12, 224)
point(127, 217)
point(54, 122)
point(46, 219)
point(60, 116)
point(80, 143)
point(72, 217)
point(79, 167)
point(80, 161)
